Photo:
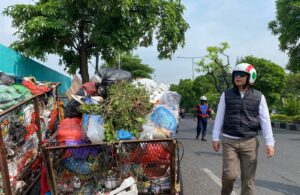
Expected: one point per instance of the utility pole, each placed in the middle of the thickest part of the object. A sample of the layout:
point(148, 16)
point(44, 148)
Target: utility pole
point(193, 69)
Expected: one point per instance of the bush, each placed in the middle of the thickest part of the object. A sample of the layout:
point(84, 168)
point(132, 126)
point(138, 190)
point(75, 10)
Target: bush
point(285, 118)
point(296, 118)
point(290, 106)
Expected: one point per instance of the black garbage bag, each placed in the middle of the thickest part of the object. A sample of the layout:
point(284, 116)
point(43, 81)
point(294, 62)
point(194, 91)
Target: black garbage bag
point(6, 79)
point(72, 107)
point(17, 131)
point(101, 89)
point(108, 76)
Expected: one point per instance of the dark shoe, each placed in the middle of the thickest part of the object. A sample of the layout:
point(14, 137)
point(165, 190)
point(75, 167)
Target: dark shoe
point(197, 137)
point(203, 139)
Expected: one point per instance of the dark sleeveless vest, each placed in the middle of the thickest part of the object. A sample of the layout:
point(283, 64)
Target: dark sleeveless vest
point(241, 114)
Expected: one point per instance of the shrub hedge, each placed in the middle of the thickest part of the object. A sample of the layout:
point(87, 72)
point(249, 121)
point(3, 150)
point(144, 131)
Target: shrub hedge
point(285, 118)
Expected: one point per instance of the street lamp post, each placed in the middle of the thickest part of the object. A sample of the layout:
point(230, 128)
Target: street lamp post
point(193, 69)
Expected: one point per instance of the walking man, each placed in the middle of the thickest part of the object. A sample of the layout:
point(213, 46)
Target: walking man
point(201, 114)
point(241, 112)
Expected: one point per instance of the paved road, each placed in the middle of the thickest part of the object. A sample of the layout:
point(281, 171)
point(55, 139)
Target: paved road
point(201, 166)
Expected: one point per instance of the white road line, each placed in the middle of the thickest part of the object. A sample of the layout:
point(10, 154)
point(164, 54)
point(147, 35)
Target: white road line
point(215, 178)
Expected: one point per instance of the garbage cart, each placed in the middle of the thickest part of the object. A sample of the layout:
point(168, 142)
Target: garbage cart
point(154, 166)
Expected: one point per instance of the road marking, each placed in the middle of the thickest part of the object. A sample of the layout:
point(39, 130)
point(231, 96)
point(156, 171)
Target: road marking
point(215, 178)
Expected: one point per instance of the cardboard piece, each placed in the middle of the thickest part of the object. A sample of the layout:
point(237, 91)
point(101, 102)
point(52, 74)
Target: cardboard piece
point(76, 84)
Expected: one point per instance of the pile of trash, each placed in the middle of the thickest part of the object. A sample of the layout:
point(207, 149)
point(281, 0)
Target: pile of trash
point(15, 89)
point(109, 108)
point(19, 126)
point(114, 107)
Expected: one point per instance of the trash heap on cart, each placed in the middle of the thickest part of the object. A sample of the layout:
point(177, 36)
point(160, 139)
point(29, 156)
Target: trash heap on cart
point(117, 137)
point(28, 113)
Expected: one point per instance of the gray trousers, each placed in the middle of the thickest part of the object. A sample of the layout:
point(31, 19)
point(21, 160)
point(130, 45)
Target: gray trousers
point(234, 151)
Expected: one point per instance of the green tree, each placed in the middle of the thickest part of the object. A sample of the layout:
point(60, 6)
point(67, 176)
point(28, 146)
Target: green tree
point(293, 84)
point(203, 84)
point(271, 78)
point(133, 64)
point(188, 96)
point(287, 27)
point(77, 30)
point(289, 104)
point(213, 65)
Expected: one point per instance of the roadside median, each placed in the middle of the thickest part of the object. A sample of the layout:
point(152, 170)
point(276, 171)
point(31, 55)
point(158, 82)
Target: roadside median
point(289, 126)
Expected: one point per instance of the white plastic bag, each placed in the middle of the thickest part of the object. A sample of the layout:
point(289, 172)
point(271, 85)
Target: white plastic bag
point(95, 128)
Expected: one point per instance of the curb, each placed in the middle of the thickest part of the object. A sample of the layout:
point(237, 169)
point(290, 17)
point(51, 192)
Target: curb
point(289, 126)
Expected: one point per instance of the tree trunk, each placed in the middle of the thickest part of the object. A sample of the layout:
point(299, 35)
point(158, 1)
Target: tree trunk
point(83, 51)
point(223, 73)
point(97, 62)
point(84, 65)
point(215, 82)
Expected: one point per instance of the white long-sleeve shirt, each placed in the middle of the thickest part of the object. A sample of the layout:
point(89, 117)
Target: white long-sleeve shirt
point(264, 119)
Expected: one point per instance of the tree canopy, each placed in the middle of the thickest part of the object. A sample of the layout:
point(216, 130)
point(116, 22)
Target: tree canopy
point(132, 64)
point(191, 91)
point(77, 30)
point(203, 84)
point(293, 84)
point(287, 27)
point(216, 65)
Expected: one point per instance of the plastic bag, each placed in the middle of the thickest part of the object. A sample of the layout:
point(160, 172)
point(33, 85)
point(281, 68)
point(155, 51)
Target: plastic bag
point(71, 109)
point(22, 90)
point(170, 98)
point(9, 96)
point(149, 84)
point(110, 76)
point(107, 76)
point(150, 131)
point(6, 79)
point(163, 117)
point(90, 88)
point(69, 129)
point(35, 89)
point(94, 128)
point(123, 134)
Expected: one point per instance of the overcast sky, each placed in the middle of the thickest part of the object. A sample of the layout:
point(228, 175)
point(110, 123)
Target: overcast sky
point(241, 23)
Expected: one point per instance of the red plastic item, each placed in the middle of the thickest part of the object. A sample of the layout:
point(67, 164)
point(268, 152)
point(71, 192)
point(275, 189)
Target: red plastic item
point(69, 129)
point(154, 158)
point(44, 184)
point(53, 116)
point(31, 128)
point(90, 88)
point(151, 153)
point(34, 88)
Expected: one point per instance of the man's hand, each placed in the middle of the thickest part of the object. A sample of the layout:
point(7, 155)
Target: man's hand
point(216, 145)
point(195, 119)
point(270, 151)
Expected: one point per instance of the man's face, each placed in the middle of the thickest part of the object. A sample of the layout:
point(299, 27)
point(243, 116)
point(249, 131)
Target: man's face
point(240, 78)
